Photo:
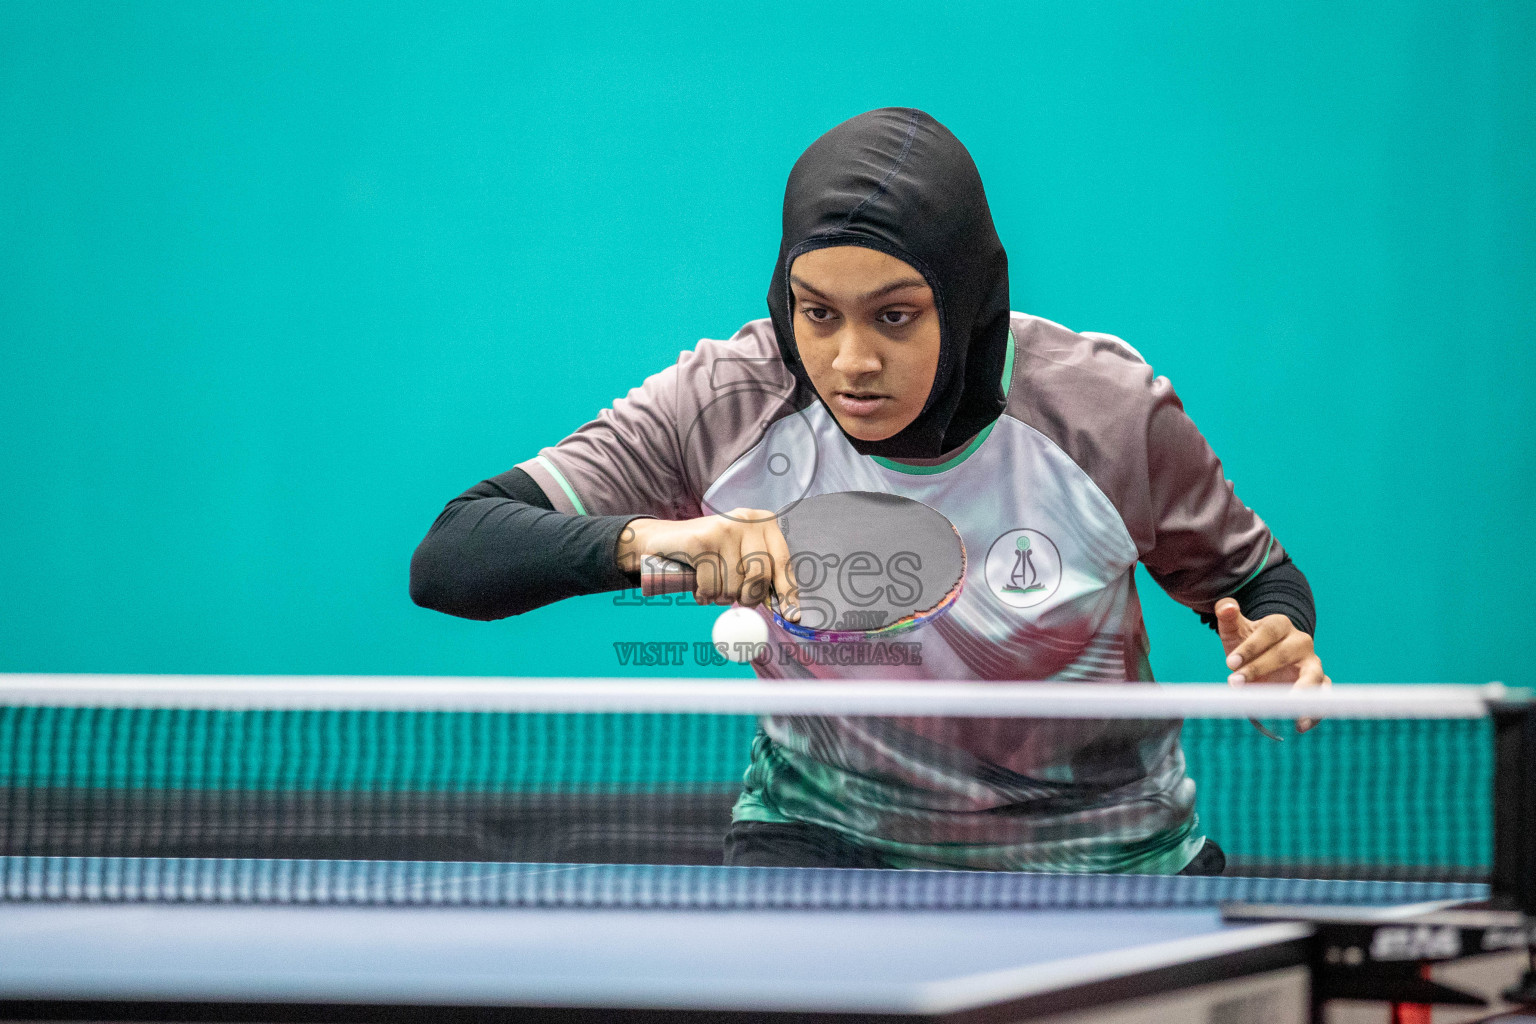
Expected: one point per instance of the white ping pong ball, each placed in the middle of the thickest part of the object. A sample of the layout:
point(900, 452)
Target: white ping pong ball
point(739, 633)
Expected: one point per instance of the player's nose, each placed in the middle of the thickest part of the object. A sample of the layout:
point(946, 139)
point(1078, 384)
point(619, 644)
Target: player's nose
point(857, 354)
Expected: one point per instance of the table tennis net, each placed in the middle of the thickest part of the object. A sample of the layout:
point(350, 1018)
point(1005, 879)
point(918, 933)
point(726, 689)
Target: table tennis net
point(1355, 798)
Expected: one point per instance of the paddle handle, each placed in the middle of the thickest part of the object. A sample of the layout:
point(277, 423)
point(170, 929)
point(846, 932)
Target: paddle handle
point(660, 575)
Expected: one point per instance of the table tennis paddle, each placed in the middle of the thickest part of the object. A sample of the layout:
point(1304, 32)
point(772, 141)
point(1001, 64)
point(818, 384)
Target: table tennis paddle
point(867, 564)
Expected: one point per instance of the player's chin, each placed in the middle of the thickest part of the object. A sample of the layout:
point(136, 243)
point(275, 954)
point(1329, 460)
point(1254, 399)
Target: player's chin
point(869, 428)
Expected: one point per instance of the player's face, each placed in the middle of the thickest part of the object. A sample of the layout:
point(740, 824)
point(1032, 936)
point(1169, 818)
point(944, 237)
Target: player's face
point(868, 335)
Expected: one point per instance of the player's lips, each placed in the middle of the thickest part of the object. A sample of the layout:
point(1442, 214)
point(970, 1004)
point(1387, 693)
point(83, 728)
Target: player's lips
point(859, 403)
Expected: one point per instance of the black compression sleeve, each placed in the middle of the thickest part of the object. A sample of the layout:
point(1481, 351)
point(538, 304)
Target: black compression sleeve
point(1280, 588)
point(500, 549)
point(514, 483)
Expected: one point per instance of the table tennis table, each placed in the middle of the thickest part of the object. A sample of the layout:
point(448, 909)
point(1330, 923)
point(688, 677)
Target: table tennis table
point(124, 939)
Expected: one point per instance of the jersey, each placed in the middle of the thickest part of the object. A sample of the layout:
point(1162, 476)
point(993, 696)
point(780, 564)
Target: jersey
point(1092, 467)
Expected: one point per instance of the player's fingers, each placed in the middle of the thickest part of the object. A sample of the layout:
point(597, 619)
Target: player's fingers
point(756, 569)
point(710, 559)
point(1267, 632)
point(1289, 653)
point(731, 551)
point(730, 537)
point(662, 563)
point(1229, 623)
point(708, 576)
point(1311, 678)
point(783, 574)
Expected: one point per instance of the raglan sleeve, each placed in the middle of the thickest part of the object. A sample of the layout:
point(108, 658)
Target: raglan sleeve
point(1205, 543)
point(549, 528)
point(629, 460)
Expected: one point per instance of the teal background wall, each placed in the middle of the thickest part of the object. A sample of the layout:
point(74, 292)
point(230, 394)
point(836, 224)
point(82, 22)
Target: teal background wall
point(278, 280)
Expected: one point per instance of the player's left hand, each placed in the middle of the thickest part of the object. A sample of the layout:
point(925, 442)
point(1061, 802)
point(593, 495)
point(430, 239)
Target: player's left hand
point(1270, 650)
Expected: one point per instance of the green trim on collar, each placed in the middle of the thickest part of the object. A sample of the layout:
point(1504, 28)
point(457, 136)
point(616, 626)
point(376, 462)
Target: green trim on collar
point(1262, 563)
point(902, 467)
point(570, 492)
point(976, 442)
point(1008, 365)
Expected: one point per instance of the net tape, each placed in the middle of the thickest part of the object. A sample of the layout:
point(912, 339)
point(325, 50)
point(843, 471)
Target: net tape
point(958, 698)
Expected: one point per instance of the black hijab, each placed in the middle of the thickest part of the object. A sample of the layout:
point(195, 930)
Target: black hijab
point(897, 181)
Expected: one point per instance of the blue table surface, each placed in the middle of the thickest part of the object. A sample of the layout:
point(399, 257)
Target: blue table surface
point(225, 945)
point(831, 960)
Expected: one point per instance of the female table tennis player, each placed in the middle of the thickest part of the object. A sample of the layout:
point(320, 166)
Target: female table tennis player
point(890, 361)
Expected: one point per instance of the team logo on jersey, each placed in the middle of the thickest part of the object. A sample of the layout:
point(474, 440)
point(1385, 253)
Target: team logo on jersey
point(1023, 568)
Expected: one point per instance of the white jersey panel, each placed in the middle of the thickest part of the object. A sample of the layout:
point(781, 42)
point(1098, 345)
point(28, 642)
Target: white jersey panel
point(1048, 585)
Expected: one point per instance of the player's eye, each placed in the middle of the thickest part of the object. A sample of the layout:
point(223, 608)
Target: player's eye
point(819, 314)
point(896, 318)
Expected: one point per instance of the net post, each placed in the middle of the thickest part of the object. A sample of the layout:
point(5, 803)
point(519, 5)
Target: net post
point(1514, 803)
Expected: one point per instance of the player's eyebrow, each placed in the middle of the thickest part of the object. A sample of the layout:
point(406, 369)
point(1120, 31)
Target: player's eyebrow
point(885, 289)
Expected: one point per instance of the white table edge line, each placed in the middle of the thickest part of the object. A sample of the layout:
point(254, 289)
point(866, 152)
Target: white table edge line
point(992, 987)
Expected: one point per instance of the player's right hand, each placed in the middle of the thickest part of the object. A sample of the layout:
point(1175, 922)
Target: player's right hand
point(738, 558)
